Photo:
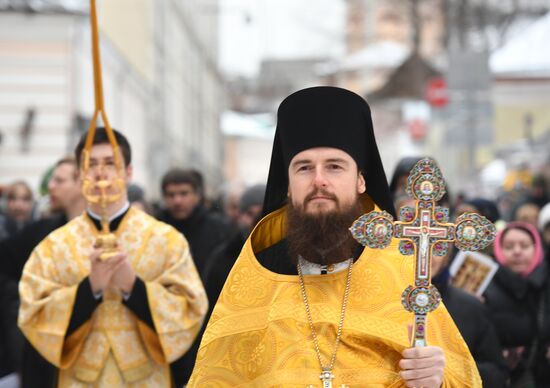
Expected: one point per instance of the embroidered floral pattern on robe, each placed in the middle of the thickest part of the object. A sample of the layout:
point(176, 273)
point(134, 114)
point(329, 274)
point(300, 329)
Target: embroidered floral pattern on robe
point(258, 334)
point(114, 347)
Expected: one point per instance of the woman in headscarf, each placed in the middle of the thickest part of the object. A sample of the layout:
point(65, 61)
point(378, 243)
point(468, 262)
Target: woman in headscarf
point(517, 299)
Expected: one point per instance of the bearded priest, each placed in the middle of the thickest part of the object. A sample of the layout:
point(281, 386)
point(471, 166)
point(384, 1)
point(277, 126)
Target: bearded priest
point(305, 305)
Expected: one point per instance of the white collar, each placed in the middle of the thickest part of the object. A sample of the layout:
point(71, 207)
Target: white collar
point(121, 211)
point(309, 268)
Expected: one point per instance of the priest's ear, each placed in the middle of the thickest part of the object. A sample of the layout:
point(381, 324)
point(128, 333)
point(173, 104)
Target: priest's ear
point(361, 184)
point(127, 166)
point(129, 170)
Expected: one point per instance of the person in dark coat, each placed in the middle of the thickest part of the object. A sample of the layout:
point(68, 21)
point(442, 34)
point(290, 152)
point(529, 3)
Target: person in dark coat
point(223, 258)
point(14, 252)
point(66, 202)
point(519, 304)
point(19, 209)
point(182, 191)
point(10, 338)
point(471, 318)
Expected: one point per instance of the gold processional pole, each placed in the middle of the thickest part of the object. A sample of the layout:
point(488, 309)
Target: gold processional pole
point(98, 187)
point(423, 230)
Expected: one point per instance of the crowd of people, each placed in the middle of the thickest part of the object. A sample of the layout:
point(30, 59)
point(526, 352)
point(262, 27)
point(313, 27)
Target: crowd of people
point(507, 329)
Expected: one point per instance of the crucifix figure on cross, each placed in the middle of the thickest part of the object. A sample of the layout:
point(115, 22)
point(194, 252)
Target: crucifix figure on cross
point(424, 231)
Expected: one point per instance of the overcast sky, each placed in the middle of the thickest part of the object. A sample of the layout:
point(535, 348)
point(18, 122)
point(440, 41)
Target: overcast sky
point(254, 29)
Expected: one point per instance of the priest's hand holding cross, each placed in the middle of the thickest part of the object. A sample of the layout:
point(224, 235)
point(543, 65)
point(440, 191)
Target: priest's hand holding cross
point(422, 366)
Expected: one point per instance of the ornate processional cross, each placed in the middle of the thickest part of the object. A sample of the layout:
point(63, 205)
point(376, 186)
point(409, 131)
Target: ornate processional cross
point(103, 191)
point(423, 230)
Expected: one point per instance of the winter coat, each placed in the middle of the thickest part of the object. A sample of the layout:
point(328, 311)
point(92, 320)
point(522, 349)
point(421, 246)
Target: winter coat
point(205, 232)
point(520, 309)
point(473, 322)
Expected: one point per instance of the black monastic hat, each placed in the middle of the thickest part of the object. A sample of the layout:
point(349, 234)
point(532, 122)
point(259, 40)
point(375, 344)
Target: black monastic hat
point(325, 117)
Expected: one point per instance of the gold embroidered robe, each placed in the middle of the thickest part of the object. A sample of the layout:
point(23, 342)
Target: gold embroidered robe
point(113, 348)
point(258, 334)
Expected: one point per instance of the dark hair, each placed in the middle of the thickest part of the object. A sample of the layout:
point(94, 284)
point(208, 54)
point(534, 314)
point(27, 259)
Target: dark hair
point(200, 180)
point(11, 188)
point(518, 227)
point(179, 176)
point(67, 160)
point(135, 193)
point(486, 208)
point(403, 168)
point(254, 195)
point(70, 160)
point(100, 137)
point(525, 202)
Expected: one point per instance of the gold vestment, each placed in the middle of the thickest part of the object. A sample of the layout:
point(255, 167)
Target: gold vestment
point(258, 334)
point(113, 348)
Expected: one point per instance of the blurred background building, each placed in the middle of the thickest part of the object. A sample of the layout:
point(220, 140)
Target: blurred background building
point(197, 83)
point(461, 81)
point(162, 84)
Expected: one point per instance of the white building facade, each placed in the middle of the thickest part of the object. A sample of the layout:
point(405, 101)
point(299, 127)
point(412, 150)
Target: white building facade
point(162, 86)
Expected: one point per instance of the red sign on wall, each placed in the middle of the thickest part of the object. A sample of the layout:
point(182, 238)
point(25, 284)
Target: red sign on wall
point(437, 93)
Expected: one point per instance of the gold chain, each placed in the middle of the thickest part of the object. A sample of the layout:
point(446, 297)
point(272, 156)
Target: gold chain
point(310, 320)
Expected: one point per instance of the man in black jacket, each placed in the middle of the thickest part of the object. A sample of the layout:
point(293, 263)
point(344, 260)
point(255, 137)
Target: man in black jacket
point(66, 202)
point(183, 194)
point(221, 261)
point(223, 258)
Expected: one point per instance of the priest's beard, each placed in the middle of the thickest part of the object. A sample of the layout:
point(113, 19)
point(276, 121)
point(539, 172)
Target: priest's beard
point(322, 238)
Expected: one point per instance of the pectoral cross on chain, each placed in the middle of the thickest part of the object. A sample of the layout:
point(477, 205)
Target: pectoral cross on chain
point(423, 230)
point(326, 378)
point(327, 381)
